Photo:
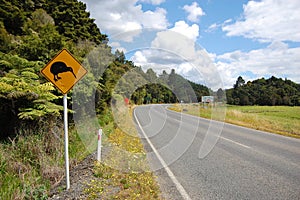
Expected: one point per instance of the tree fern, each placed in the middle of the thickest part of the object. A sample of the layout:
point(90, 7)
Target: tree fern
point(22, 90)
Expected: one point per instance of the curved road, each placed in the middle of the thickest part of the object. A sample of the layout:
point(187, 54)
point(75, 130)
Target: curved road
point(244, 163)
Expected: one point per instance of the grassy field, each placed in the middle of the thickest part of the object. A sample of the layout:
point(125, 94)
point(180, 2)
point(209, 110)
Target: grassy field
point(282, 120)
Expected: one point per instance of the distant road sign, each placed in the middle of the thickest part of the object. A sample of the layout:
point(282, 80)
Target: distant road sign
point(64, 71)
point(207, 99)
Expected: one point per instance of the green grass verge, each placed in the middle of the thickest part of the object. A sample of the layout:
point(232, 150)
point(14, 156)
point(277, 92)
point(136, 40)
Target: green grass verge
point(32, 162)
point(284, 120)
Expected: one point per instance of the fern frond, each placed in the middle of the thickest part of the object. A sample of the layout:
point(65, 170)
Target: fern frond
point(5, 88)
point(5, 64)
point(46, 87)
point(16, 95)
point(29, 75)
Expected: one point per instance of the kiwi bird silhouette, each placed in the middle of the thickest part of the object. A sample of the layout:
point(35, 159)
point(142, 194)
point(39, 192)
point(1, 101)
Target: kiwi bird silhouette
point(60, 67)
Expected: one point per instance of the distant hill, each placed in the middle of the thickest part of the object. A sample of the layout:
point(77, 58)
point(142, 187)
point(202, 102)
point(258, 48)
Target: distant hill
point(272, 91)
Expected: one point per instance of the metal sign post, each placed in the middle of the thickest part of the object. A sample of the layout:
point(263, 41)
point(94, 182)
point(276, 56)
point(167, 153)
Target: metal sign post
point(66, 141)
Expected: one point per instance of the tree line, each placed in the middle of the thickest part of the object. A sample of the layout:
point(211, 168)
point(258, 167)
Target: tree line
point(167, 88)
point(271, 92)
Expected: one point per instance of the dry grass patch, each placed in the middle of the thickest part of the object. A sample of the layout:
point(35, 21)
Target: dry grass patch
point(124, 172)
point(284, 120)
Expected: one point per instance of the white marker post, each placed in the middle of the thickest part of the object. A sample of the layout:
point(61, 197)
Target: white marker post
point(99, 145)
point(66, 140)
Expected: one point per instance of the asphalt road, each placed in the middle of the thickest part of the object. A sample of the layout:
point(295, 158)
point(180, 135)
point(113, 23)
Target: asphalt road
point(243, 164)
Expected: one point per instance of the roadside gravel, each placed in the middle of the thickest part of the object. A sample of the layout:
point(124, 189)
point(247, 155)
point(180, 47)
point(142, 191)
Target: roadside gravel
point(80, 176)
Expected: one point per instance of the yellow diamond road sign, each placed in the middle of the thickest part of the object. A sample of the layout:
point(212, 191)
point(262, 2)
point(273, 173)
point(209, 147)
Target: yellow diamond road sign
point(64, 71)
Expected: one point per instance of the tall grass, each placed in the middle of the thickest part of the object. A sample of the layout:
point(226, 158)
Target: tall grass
point(32, 162)
point(284, 120)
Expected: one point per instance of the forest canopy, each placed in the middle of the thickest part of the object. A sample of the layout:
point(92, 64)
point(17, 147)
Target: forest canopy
point(271, 92)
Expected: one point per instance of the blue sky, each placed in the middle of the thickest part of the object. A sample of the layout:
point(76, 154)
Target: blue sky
point(250, 38)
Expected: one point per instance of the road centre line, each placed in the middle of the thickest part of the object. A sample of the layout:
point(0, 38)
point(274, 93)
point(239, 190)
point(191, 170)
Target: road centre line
point(179, 187)
point(245, 146)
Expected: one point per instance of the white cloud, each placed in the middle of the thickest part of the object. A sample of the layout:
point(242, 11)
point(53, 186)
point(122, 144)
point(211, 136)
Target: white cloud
point(175, 42)
point(115, 17)
point(277, 59)
point(191, 32)
point(212, 27)
point(117, 46)
point(157, 59)
point(153, 2)
point(140, 58)
point(172, 50)
point(156, 19)
point(194, 12)
point(200, 69)
point(267, 21)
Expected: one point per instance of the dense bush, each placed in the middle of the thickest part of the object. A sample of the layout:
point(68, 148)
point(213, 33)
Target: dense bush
point(272, 91)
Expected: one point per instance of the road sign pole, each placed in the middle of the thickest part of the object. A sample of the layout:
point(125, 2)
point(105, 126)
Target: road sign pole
point(64, 71)
point(66, 140)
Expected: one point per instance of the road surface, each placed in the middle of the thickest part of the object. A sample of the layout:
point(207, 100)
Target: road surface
point(244, 163)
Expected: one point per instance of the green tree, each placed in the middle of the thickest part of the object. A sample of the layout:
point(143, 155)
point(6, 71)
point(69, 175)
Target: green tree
point(43, 45)
point(221, 95)
point(239, 82)
point(120, 57)
point(272, 91)
point(12, 17)
point(5, 39)
point(151, 75)
point(73, 21)
point(23, 97)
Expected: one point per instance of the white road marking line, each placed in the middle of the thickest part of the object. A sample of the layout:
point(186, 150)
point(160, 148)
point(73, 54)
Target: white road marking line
point(245, 146)
point(179, 187)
